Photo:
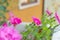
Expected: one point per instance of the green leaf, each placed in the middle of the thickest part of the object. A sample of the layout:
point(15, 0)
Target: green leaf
point(2, 8)
point(7, 4)
point(3, 1)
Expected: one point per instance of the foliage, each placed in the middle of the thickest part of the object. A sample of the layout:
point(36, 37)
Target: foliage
point(3, 10)
point(43, 32)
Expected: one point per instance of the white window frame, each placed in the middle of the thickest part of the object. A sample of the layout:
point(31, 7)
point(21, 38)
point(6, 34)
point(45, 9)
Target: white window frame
point(27, 6)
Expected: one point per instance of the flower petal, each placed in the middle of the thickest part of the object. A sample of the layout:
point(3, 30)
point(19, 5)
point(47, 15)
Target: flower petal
point(36, 21)
point(57, 17)
point(48, 12)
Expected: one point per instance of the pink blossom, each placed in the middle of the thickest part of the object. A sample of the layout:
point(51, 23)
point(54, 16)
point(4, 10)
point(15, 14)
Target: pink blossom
point(14, 20)
point(4, 24)
point(9, 33)
point(57, 17)
point(36, 21)
point(48, 12)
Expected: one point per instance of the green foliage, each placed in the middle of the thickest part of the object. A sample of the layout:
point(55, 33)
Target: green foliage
point(2, 1)
point(3, 10)
point(43, 32)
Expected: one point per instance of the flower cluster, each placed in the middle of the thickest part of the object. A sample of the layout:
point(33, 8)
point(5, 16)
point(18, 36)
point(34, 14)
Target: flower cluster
point(9, 33)
point(42, 29)
point(38, 29)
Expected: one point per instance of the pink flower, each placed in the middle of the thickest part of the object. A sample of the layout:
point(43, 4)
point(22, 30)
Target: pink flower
point(4, 24)
point(9, 33)
point(14, 20)
point(48, 12)
point(57, 17)
point(36, 21)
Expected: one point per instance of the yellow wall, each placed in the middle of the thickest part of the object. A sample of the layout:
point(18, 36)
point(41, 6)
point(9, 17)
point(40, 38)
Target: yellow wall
point(25, 14)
